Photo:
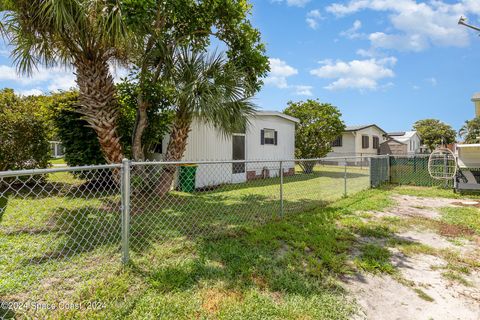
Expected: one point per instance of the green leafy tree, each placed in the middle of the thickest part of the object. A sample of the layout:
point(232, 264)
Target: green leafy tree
point(470, 131)
point(209, 89)
point(23, 134)
point(79, 139)
point(80, 143)
point(84, 34)
point(434, 133)
point(158, 118)
point(320, 123)
point(163, 26)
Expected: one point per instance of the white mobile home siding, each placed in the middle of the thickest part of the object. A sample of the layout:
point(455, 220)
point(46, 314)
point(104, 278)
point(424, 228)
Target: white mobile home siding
point(205, 143)
point(285, 148)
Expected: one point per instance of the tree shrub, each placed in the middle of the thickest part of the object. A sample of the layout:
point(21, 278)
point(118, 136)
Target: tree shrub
point(80, 142)
point(23, 134)
point(320, 123)
point(434, 133)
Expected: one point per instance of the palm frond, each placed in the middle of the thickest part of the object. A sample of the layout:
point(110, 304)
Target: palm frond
point(210, 89)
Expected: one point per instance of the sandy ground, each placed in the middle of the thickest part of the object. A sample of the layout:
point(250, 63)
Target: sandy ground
point(383, 297)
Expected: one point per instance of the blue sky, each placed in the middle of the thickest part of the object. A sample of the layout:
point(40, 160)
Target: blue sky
point(389, 62)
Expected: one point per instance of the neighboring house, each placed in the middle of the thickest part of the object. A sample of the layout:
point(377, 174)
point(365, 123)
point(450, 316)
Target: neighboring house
point(56, 148)
point(269, 135)
point(401, 143)
point(358, 141)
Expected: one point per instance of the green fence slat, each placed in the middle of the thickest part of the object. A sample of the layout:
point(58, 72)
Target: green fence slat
point(413, 170)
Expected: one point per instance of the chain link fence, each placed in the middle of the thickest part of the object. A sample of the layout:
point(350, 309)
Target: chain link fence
point(413, 170)
point(62, 229)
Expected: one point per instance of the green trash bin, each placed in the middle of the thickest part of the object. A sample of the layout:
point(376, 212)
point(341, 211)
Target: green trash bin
point(186, 178)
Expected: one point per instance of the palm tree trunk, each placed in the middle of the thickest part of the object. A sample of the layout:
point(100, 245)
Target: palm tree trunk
point(175, 150)
point(98, 104)
point(141, 123)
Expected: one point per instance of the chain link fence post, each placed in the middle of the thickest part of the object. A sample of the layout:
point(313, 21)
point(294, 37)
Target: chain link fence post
point(371, 169)
point(281, 190)
point(125, 192)
point(345, 178)
point(389, 170)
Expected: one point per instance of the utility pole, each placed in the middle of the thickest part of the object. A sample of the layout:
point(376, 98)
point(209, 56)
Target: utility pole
point(463, 22)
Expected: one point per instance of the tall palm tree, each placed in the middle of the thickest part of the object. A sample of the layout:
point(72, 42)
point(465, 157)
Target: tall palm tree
point(207, 88)
point(83, 34)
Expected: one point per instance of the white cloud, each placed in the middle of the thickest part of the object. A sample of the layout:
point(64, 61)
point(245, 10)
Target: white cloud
point(63, 82)
point(47, 80)
point(412, 42)
point(294, 3)
point(416, 25)
point(118, 73)
point(51, 78)
point(432, 81)
point(370, 53)
point(279, 72)
point(356, 74)
point(30, 92)
point(313, 17)
point(353, 33)
point(303, 90)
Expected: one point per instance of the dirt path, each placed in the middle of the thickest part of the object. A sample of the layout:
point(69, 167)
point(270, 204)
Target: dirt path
point(420, 289)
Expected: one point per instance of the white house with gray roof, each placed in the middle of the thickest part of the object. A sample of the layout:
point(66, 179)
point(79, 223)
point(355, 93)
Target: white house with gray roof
point(362, 140)
point(402, 143)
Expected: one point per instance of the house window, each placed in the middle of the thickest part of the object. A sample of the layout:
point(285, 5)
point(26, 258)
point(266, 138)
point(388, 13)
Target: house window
point(337, 142)
point(365, 142)
point(158, 148)
point(376, 142)
point(269, 136)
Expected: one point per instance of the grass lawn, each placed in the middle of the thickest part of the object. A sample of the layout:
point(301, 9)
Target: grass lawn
point(219, 254)
point(223, 253)
point(57, 161)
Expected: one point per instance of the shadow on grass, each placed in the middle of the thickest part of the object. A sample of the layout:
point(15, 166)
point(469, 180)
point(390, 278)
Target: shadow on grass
point(41, 188)
point(175, 216)
point(200, 215)
point(79, 231)
point(3, 206)
point(297, 255)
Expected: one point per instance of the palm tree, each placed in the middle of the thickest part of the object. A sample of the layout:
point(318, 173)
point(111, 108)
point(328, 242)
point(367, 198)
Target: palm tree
point(207, 88)
point(84, 34)
point(470, 131)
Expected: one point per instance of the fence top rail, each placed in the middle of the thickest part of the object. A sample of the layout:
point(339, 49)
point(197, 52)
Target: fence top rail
point(255, 161)
point(31, 172)
point(418, 155)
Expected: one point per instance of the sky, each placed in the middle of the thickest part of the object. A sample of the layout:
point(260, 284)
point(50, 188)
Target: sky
point(388, 62)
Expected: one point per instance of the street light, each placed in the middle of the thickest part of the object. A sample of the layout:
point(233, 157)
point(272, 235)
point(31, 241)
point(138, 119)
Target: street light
point(463, 21)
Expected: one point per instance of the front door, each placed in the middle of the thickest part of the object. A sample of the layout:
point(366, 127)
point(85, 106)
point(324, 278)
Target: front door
point(238, 153)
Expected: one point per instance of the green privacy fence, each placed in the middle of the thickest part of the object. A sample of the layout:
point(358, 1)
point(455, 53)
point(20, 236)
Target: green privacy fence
point(379, 171)
point(413, 170)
